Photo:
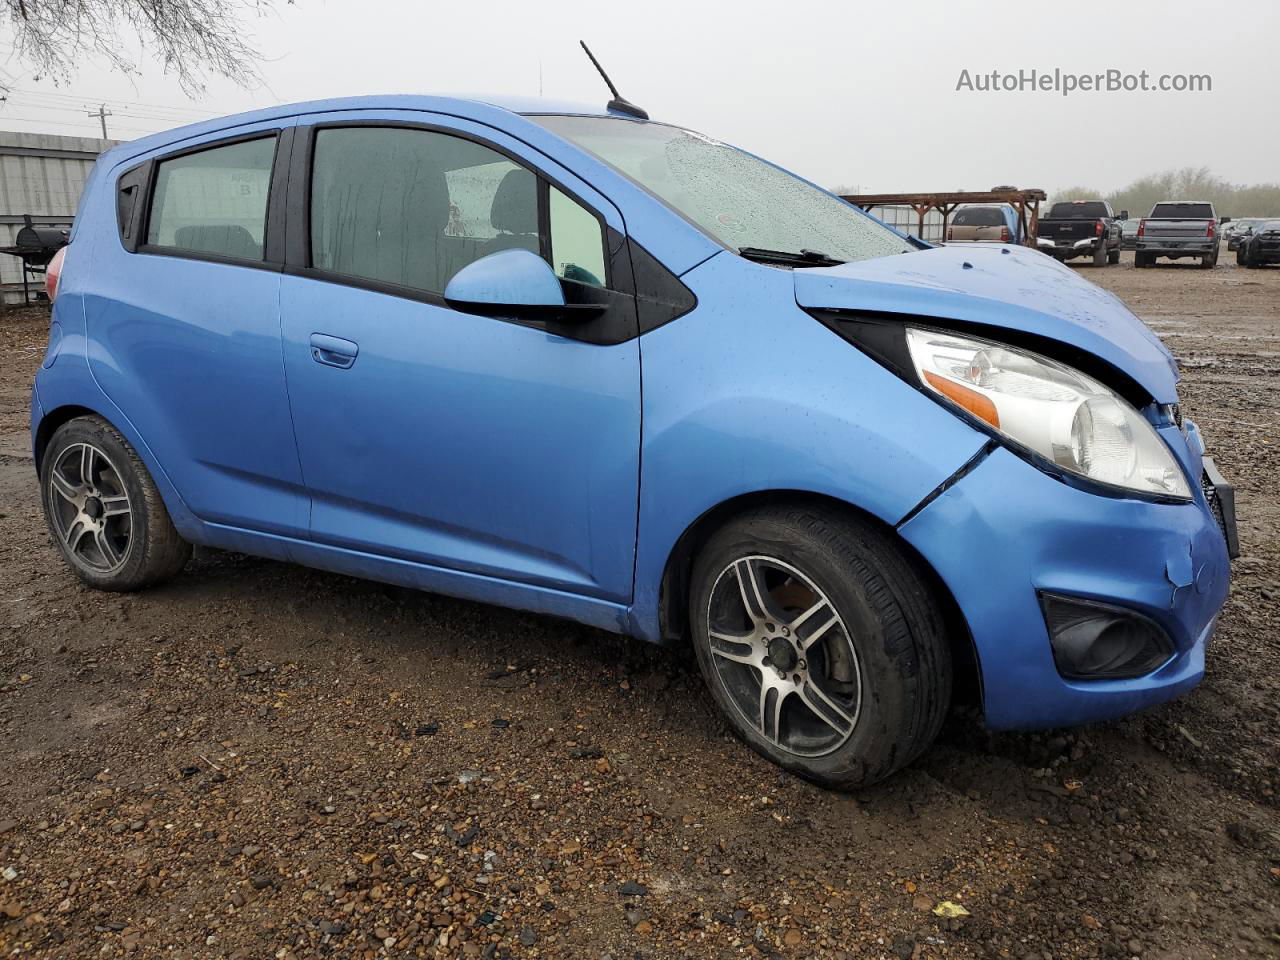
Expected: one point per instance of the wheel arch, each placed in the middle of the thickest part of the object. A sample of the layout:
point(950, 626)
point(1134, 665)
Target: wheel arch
point(673, 595)
point(50, 423)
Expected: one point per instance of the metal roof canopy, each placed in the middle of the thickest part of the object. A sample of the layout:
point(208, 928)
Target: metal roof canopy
point(1025, 202)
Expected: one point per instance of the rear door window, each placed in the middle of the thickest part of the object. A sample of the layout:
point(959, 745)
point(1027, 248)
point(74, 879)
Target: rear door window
point(214, 201)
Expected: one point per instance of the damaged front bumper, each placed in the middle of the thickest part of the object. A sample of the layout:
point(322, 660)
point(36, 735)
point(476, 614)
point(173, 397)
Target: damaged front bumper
point(1006, 534)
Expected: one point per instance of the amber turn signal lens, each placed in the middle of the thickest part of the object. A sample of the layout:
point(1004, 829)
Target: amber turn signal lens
point(971, 400)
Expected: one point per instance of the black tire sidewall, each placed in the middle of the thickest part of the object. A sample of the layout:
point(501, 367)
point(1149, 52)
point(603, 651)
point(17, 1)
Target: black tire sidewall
point(886, 694)
point(84, 430)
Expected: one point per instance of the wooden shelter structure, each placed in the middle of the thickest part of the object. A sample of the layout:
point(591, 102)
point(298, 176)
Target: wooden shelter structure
point(1025, 203)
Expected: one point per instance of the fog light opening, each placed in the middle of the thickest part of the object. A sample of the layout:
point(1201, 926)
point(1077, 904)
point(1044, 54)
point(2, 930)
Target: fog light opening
point(1097, 641)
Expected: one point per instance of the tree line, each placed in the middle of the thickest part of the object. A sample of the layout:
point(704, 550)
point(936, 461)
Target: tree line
point(1189, 183)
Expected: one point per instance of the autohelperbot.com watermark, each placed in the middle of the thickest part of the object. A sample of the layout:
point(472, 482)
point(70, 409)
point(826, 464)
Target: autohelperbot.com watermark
point(1065, 82)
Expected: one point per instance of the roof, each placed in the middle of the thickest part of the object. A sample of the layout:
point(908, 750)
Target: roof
point(480, 107)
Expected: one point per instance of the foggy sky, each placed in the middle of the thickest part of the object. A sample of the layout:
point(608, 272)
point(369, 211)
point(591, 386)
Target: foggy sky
point(844, 93)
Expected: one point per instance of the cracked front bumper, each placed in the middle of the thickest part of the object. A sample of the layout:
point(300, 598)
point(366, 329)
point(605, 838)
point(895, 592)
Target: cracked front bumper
point(1006, 531)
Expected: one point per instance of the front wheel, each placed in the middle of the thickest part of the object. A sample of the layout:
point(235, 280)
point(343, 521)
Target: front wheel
point(104, 511)
point(821, 643)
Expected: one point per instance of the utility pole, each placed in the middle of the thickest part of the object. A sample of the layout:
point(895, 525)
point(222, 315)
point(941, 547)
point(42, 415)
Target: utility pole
point(102, 113)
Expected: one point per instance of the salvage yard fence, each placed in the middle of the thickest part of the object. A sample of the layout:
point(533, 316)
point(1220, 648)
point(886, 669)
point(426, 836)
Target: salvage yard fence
point(41, 175)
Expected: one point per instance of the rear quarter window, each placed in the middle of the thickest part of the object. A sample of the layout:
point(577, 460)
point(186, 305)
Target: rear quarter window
point(214, 201)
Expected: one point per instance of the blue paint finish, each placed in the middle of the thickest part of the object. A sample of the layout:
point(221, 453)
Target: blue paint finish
point(1006, 530)
point(401, 440)
point(1021, 289)
point(507, 277)
point(740, 400)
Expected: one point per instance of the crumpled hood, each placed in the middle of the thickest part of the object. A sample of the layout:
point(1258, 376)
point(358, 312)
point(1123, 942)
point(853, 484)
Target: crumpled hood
point(1013, 287)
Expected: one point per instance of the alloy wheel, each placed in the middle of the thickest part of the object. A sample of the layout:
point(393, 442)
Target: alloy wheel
point(90, 508)
point(784, 656)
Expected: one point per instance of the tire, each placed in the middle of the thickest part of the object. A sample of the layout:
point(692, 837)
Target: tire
point(879, 670)
point(104, 512)
point(1100, 254)
point(1114, 256)
point(1209, 262)
point(1242, 258)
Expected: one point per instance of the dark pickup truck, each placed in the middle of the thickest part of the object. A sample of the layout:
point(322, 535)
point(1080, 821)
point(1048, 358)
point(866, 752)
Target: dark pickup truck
point(1082, 228)
point(1176, 229)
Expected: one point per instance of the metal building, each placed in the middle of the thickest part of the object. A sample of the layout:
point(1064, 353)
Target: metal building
point(41, 175)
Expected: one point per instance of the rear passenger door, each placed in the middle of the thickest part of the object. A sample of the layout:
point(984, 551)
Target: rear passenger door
point(506, 447)
point(184, 325)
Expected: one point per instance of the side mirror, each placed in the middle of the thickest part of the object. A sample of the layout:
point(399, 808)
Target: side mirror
point(515, 283)
point(1124, 214)
point(509, 281)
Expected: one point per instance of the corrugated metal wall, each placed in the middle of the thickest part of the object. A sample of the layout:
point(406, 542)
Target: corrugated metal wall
point(42, 175)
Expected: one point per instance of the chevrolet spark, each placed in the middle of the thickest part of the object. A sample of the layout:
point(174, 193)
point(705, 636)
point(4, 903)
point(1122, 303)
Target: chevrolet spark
point(580, 363)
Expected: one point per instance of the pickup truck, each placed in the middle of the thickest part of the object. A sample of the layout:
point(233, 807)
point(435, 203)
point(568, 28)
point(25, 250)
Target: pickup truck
point(1176, 229)
point(1082, 228)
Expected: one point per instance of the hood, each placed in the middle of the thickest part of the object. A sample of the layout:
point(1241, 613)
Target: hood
point(999, 286)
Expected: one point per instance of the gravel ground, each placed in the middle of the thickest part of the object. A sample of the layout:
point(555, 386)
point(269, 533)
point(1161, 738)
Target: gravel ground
point(261, 761)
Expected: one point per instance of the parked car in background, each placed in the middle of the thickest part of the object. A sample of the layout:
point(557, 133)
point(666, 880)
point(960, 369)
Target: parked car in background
point(1081, 228)
point(1129, 234)
point(1237, 230)
point(996, 223)
point(403, 338)
point(1177, 229)
point(1260, 246)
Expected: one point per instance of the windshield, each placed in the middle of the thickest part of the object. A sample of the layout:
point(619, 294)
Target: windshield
point(1078, 210)
point(1181, 211)
point(741, 201)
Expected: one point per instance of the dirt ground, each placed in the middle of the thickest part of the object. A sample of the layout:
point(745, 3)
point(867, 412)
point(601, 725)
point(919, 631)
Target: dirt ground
point(261, 761)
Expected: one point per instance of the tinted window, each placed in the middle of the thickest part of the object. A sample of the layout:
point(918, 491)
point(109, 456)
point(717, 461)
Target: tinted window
point(738, 199)
point(1182, 211)
point(412, 207)
point(214, 201)
point(1088, 210)
point(979, 217)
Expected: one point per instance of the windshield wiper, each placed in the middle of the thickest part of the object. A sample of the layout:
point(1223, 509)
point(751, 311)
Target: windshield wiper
point(803, 258)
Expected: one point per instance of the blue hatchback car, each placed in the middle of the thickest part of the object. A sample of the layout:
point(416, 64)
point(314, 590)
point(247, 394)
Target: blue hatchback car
point(580, 363)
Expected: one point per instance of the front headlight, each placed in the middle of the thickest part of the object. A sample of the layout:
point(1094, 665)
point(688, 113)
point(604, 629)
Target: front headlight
point(1069, 419)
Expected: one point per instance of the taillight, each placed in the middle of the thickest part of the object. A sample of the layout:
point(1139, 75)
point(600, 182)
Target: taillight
point(1213, 229)
point(1097, 229)
point(52, 272)
point(1142, 228)
point(1004, 234)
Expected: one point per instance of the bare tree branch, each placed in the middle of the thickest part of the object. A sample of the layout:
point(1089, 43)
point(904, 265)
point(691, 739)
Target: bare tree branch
point(191, 38)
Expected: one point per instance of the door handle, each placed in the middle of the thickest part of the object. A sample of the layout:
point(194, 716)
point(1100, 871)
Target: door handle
point(333, 351)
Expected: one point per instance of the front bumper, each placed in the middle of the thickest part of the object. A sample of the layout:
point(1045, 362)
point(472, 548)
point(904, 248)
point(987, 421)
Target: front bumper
point(1007, 531)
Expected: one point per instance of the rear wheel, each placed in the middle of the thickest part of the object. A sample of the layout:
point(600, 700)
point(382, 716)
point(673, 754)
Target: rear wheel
point(1114, 256)
point(1210, 261)
point(821, 643)
point(1141, 260)
point(104, 511)
point(1100, 254)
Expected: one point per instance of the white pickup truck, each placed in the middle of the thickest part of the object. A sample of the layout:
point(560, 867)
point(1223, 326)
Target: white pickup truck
point(1176, 229)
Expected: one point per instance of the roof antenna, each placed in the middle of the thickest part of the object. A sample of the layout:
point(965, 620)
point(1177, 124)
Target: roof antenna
point(618, 104)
